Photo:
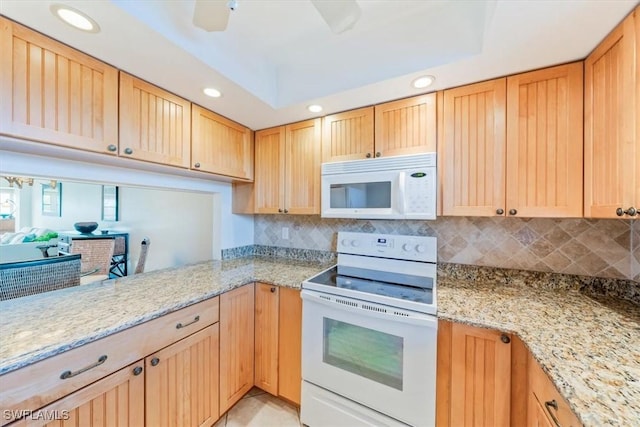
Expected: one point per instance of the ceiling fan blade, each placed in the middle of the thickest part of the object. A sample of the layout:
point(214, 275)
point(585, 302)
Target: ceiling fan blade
point(211, 15)
point(340, 16)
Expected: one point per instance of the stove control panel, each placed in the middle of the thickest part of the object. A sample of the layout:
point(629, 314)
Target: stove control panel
point(415, 248)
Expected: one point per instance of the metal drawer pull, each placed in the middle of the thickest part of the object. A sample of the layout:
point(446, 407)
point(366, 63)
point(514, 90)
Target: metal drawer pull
point(69, 374)
point(180, 325)
point(553, 404)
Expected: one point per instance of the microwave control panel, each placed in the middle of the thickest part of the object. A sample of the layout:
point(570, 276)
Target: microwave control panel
point(420, 191)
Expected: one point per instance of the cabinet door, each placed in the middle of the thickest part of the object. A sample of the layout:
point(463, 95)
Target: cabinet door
point(182, 382)
point(302, 165)
point(348, 135)
point(219, 145)
point(536, 416)
point(480, 377)
point(269, 171)
point(290, 345)
point(236, 345)
point(117, 399)
point(53, 93)
point(266, 337)
point(611, 129)
point(155, 125)
point(407, 126)
point(472, 152)
point(544, 142)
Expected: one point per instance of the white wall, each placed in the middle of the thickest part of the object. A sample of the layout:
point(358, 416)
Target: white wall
point(229, 230)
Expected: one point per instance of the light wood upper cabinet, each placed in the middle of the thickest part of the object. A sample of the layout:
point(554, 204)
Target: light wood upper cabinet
point(406, 126)
point(266, 337)
point(544, 142)
point(514, 146)
point(348, 135)
point(155, 125)
point(117, 399)
point(236, 345)
point(472, 149)
point(612, 122)
point(182, 382)
point(219, 145)
point(287, 171)
point(474, 376)
point(290, 345)
point(269, 170)
point(302, 167)
point(55, 94)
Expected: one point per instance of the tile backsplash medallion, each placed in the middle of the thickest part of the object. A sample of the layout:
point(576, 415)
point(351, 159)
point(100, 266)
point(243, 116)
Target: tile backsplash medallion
point(603, 248)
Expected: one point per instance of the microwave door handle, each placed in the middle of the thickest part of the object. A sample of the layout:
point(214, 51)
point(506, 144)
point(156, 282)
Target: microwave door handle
point(401, 192)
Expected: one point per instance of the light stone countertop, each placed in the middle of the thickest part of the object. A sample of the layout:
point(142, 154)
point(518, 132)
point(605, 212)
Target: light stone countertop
point(589, 347)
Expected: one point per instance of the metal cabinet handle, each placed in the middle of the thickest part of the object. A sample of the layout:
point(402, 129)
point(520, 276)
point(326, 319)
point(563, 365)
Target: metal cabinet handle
point(378, 154)
point(137, 370)
point(368, 156)
point(181, 325)
point(273, 289)
point(553, 404)
point(512, 211)
point(279, 210)
point(631, 211)
point(505, 338)
point(155, 361)
point(197, 165)
point(112, 148)
point(128, 151)
point(69, 374)
point(500, 211)
point(286, 211)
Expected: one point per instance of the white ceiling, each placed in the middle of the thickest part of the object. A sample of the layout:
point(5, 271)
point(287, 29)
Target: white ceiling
point(278, 56)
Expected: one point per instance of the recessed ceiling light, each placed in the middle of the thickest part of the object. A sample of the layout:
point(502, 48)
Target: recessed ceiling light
point(423, 81)
point(314, 108)
point(75, 18)
point(214, 93)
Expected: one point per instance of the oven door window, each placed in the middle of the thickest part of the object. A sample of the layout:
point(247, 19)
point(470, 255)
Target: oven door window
point(365, 352)
point(361, 195)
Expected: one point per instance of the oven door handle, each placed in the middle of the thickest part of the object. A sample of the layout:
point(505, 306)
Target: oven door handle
point(414, 318)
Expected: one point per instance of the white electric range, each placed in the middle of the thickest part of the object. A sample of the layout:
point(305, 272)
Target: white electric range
point(370, 333)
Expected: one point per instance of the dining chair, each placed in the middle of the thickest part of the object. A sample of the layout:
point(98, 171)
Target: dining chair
point(142, 259)
point(96, 255)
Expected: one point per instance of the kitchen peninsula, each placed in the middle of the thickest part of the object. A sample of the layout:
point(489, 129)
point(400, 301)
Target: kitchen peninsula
point(577, 339)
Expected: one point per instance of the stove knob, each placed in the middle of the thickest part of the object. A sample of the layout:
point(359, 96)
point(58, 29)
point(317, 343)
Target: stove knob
point(421, 249)
point(407, 247)
point(345, 242)
point(355, 243)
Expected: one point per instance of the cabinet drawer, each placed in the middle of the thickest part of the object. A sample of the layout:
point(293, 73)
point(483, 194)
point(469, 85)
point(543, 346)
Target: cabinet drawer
point(550, 400)
point(36, 385)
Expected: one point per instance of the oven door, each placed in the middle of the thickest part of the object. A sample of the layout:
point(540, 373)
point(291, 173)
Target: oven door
point(379, 356)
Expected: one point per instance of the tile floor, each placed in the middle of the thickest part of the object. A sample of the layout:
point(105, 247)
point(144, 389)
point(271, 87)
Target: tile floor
point(260, 409)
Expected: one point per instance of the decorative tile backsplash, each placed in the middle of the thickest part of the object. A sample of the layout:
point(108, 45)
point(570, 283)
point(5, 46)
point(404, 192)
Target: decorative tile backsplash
point(603, 248)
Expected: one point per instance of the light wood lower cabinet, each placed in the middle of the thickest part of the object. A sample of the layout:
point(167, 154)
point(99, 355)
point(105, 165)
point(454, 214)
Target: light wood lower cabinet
point(266, 337)
point(290, 345)
point(182, 382)
point(278, 341)
point(474, 376)
point(545, 406)
point(236, 345)
point(116, 400)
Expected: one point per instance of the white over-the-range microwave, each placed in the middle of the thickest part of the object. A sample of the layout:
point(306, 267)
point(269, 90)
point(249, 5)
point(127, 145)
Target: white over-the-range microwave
point(400, 187)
